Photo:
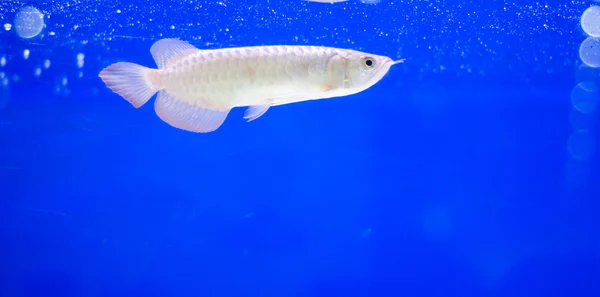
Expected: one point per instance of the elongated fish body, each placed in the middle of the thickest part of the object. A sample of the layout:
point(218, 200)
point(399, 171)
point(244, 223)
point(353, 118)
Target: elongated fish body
point(197, 88)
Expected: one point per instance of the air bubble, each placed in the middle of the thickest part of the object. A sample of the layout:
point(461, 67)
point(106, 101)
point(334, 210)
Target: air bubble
point(589, 51)
point(29, 22)
point(80, 60)
point(590, 21)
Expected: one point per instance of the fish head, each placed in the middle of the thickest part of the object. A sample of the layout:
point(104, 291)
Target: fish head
point(363, 70)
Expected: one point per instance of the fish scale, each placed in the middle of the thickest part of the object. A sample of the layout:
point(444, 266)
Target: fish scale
point(197, 88)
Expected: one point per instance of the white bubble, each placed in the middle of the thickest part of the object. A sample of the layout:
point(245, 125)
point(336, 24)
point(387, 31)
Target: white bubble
point(26, 54)
point(589, 51)
point(37, 72)
point(581, 144)
point(584, 97)
point(64, 81)
point(7, 26)
point(29, 22)
point(46, 64)
point(590, 21)
point(2, 61)
point(80, 60)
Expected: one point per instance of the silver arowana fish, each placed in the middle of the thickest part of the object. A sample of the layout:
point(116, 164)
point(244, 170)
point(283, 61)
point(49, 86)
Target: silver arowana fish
point(197, 88)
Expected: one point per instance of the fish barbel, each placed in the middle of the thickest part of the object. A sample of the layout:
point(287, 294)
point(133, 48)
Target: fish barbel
point(198, 88)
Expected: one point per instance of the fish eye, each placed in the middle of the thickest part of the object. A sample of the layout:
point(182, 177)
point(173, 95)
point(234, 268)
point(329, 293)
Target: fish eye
point(369, 62)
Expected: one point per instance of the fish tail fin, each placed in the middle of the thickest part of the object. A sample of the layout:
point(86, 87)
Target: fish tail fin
point(135, 83)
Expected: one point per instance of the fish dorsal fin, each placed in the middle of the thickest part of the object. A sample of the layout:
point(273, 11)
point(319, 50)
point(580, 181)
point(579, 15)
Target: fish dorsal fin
point(167, 49)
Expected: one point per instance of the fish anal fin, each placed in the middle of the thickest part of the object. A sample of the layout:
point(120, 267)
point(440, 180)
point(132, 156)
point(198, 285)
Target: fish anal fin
point(188, 117)
point(256, 111)
point(167, 50)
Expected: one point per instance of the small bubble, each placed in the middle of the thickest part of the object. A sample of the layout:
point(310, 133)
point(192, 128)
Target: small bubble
point(118, 11)
point(2, 61)
point(38, 71)
point(46, 64)
point(172, 27)
point(64, 81)
point(26, 54)
point(7, 26)
point(80, 60)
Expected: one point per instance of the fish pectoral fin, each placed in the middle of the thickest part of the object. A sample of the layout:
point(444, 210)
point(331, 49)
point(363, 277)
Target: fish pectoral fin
point(168, 50)
point(254, 112)
point(186, 116)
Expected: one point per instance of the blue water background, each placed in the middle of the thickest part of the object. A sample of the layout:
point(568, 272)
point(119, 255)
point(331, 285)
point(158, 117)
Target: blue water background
point(453, 176)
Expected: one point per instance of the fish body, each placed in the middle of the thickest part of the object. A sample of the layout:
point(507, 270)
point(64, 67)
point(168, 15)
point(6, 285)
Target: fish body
point(197, 88)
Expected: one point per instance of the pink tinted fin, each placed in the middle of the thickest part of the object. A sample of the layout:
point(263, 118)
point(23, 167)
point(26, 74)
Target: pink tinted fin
point(187, 117)
point(132, 81)
point(167, 49)
point(254, 112)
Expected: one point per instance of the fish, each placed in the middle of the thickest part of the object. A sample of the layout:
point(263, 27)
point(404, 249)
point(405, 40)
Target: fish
point(197, 88)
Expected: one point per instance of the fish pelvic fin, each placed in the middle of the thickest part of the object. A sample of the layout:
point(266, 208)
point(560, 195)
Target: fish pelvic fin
point(135, 83)
point(167, 50)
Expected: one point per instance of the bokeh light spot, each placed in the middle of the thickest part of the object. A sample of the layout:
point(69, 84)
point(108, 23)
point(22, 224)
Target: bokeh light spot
point(584, 97)
point(581, 145)
point(29, 22)
point(589, 51)
point(590, 21)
